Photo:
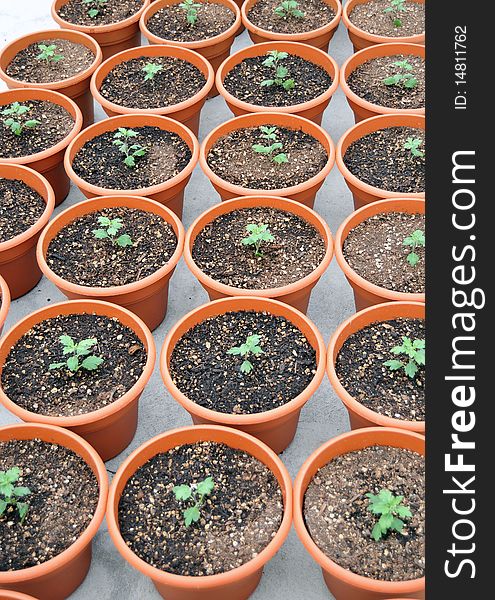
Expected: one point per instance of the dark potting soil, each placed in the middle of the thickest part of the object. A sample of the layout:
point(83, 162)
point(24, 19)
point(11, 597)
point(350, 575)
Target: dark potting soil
point(170, 23)
point(360, 369)
point(25, 66)
point(238, 519)
point(55, 123)
point(177, 81)
point(29, 382)
point(112, 11)
point(370, 17)
point(366, 81)
point(202, 369)
point(337, 516)
point(62, 502)
point(76, 255)
point(296, 251)
point(317, 13)
point(380, 160)
point(100, 162)
point(245, 79)
point(233, 159)
point(375, 250)
point(20, 208)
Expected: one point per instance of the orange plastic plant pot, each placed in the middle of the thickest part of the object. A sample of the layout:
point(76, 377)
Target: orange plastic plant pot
point(5, 302)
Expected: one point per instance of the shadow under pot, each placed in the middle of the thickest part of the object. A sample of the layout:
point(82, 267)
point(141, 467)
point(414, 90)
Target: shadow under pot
point(376, 365)
point(4, 302)
point(122, 249)
point(89, 363)
point(63, 488)
point(248, 363)
point(201, 483)
point(359, 510)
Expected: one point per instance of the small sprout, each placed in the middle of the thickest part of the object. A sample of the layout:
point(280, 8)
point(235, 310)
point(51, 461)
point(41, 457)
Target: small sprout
point(10, 494)
point(390, 508)
point(47, 53)
point(270, 133)
point(414, 351)
point(122, 140)
point(76, 351)
point(289, 8)
point(403, 76)
point(96, 5)
point(413, 144)
point(257, 235)
point(250, 346)
point(151, 69)
point(415, 240)
point(14, 123)
point(191, 9)
point(396, 7)
point(111, 227)
point(195, 493)
point(280, 72)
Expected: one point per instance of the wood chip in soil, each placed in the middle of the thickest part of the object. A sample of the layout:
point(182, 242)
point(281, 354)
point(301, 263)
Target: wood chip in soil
point(20, 208)
point(370, 17)
point(101, 163)
point(233, 159)
point(112, 11)
point(245, 79)
point(366, 81)
point(62, 502)
point(380, 160)
point(238, 519)
point(202, 369)
point(55, 124)
point(317, 13)
point(375, 250)
point(360, 369)
point(296, 251)
point(25, 66)
point(76, 255)
point(30, 383)
point(177, 81)
point(170, 23)
point(337, 516)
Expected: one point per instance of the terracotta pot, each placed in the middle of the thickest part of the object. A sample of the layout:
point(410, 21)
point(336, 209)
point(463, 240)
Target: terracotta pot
point(215, 49)
point(111, 429)
point(237, 584)
point(304, 192)
point(58, 577)
point(5, 305)
point(75, 87)
point(50, 162)
point(276, 427)
point(320, 38)
point(111, 38)
point(361, 108)
point(362, 39)
point(359, 415)
point(187, 112)
point(18, 255)
point(169, 193)
point(344, 584)
point(146, 298)
point(366, 293)
point(362, 192)
point(313, 109)
point(6, 595)
point(296, 294)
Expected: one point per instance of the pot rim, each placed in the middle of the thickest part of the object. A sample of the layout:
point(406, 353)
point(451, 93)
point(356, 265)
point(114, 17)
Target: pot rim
point(5, 301)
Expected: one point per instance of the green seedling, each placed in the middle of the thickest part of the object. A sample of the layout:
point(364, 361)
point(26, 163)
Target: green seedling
point(257, 235)
point(10, 494)
point(250, 347)
point(195, 494)
point(83, 350)
point(270, 134)
point(47, 53)
point(413, 144)
point(414, 352)
point(191, 9)
point(403, 75)
point(109, 230)
point(14, 123)
point(415, 240)
point(288, 9)
point(390, 508)
point(151, 69)
point(95, 6)
point(280, 72)
point(395, 8)
point(122, 139)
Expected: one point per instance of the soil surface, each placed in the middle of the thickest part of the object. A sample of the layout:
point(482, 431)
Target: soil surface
point(177, 81)
point(62, 502)
point(79, 257)
point(295, 252)
point(238, 519)
point(233, 159)
point(113, 11)
point(25, 66)
point(370, 17)
point(366, 81)
point(317, 13)
point(375, 250)
point(380, 160)
point(170, 23)
point(100, 162)
point(360, 369)
point(55, 123)
point(245, 79)
point(29, 382)
point(20, 208)
point(337, 516)
point(202, 369)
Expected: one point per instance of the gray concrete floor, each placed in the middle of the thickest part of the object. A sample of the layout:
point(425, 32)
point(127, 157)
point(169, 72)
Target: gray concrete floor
point(292, 574)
